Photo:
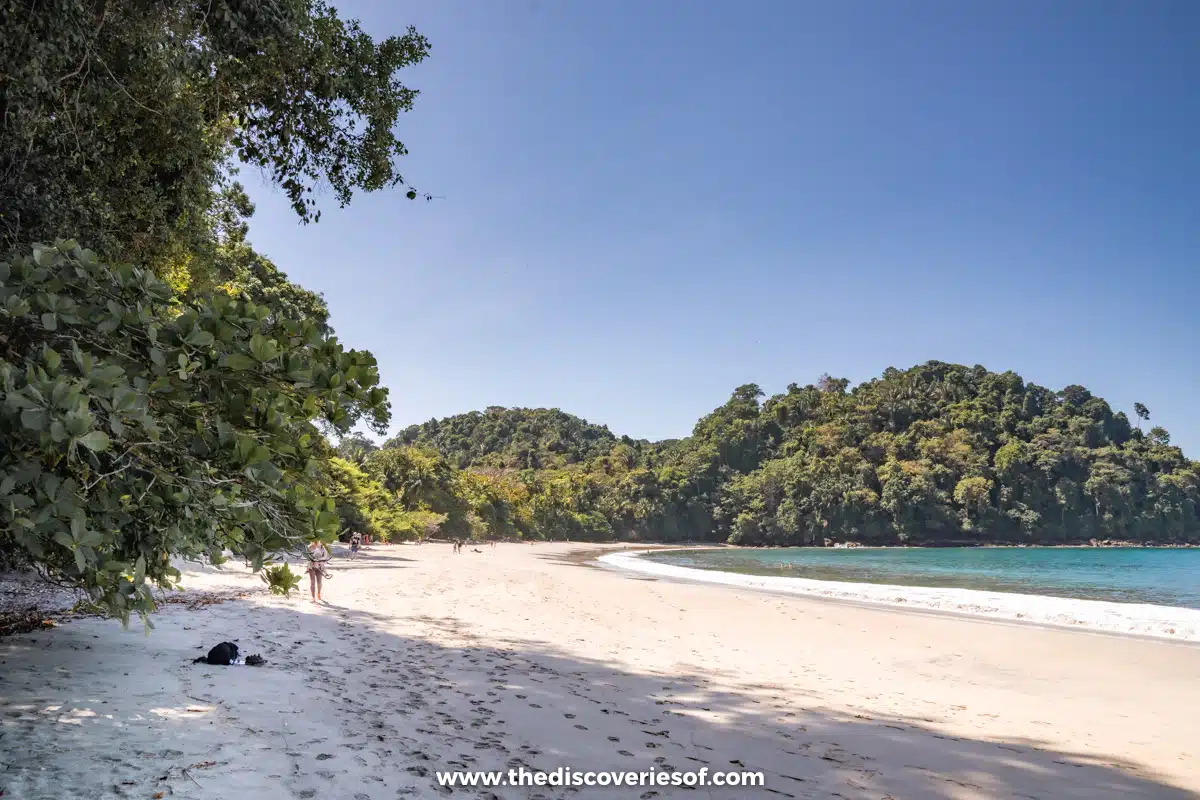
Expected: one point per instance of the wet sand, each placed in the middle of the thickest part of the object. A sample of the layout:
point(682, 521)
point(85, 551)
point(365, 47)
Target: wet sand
point(423, 660)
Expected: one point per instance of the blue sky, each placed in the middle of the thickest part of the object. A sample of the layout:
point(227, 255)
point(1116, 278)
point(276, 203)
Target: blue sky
point(647, 204)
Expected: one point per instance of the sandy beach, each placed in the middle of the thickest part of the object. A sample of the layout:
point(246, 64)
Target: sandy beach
point(423, 660)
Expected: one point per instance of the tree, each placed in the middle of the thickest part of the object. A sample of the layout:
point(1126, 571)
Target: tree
point(1142, 413)
point(827, 383)
point(138, 426)
point(177, 407)
point(356, 448)
point(363, 505)
point(511, 438)
point(935, 454)
point(973, 495)
point(121, 118)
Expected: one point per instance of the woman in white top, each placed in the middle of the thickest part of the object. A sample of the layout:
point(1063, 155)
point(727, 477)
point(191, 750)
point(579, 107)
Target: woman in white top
point(316, 568)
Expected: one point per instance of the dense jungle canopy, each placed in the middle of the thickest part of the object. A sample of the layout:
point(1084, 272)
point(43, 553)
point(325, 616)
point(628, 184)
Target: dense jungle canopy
point(935, 454)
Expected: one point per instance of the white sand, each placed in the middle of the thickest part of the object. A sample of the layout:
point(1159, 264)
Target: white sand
point(1179, 624)
point(426, 660)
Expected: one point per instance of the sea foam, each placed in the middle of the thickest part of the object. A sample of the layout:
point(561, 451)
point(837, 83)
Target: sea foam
point(1163, 622)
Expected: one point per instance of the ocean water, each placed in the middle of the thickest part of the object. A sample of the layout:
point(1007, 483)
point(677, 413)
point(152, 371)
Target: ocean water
point(1156, 576)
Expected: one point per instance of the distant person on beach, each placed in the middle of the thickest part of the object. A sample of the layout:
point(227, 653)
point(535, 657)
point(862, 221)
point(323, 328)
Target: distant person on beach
point(356, 540)
point(316, 568)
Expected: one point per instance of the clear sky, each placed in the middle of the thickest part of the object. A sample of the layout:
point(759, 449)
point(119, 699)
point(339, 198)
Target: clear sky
point(647, 204)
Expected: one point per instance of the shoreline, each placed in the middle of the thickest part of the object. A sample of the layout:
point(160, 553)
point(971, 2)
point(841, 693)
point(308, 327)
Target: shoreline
point(1159, 623)
point(423, 660)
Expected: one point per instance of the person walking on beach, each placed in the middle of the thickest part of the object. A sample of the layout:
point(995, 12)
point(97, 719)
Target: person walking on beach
point(356, 539)
point(319, 557)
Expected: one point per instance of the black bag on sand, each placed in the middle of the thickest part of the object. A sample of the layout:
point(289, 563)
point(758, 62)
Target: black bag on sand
point(226, 654)
point(222, 655)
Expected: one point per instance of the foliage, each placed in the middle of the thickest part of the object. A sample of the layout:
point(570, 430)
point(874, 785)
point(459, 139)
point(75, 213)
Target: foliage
point(178, 408)
point(362, 504)
point(936, 454)
point(137, 426)
point(280, 579)
point(417, 525)
point(355, 448)
point(121, 117)
point(944, 453)
point(517, 438)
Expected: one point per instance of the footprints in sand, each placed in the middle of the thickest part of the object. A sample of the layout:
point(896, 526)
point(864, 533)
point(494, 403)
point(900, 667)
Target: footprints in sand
point(382, 703)
point(428, 708)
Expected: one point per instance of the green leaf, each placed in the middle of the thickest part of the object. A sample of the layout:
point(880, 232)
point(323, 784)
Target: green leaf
point(96, 441)
point(78, 423)
point(240, 362)
point(50, 321)
point(262, 348)
point(124, 399)
point(50, 484)
point(52, 358)
point(200, 338)
point(34, 419)
point(107, 374)
point(91, 539)
point(19, 400)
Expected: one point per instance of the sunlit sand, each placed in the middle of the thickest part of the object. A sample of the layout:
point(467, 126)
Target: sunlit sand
point(423, 660)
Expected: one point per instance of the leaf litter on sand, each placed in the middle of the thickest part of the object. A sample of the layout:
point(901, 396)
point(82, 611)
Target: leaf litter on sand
point(24, 622)
point(35, 619)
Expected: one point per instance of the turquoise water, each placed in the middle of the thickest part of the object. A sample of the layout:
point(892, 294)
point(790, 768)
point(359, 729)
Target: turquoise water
point(1165, 577)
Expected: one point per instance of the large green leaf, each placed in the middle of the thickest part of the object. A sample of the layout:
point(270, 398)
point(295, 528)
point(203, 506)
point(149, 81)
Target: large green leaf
point(96, 441)
point(240, 362)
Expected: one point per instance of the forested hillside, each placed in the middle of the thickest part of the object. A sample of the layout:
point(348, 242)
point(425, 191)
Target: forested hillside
point(935, 454)
point(522, 438)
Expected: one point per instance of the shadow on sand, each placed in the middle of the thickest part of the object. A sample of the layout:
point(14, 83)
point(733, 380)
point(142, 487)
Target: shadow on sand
point(405, 707)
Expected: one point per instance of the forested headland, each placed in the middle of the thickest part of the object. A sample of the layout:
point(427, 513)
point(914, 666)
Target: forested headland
point(935, 454)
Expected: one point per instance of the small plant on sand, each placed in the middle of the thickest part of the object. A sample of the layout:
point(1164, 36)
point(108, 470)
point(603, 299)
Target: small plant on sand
point(280, 579)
